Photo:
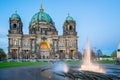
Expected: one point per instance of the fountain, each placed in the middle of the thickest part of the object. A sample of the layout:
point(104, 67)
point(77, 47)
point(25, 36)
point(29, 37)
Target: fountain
point(61, 67)
point(87, 71)
point(87, 64)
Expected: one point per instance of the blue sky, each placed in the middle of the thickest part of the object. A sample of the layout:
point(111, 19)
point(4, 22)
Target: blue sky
point(97, 19)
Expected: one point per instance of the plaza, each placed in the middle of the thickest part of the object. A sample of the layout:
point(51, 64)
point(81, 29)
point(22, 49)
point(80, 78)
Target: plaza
point(35, 73)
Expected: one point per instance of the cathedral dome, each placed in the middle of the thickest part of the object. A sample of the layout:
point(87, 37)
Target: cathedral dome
point(41, 16)
point(69, 18)
point(15, 16)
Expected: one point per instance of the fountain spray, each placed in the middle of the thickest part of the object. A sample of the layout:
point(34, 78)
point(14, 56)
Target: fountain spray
point(87, 64)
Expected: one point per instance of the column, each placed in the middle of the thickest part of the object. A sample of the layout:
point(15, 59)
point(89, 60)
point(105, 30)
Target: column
point(9, 55)
point(76, 51)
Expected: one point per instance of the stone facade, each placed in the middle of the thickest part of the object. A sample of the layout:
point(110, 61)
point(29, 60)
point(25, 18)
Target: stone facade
point(43, 41)
point(118, 51)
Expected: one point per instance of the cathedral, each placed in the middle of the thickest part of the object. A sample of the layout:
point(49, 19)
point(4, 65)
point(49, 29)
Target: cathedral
point(43, 41)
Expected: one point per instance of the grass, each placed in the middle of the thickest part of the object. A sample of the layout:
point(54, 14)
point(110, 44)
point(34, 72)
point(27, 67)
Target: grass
point(16, 64)
point(106, 62)
point(73, 62)
point(99, 62)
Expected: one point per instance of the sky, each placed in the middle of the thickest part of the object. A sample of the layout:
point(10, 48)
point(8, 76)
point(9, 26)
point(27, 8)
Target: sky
point(98, 20)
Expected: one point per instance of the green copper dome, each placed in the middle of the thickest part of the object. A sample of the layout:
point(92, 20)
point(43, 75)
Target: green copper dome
point(41, 16)
point(69, 18)
point(15, 16)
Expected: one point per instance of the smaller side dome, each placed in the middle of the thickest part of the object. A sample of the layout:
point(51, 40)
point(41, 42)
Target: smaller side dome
point(69, 18)
point(15, 16)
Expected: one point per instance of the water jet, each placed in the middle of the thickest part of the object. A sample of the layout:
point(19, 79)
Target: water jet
point(87, 64)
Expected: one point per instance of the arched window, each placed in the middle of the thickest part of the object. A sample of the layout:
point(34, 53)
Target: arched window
point(14, 26)
point(70, 27)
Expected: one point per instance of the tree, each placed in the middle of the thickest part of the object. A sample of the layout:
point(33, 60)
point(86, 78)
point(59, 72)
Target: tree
point(2, 54)
point(105, 56)
point(114, 54)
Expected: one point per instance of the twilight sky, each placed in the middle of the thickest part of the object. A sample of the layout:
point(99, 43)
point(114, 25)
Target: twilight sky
point(97, 19)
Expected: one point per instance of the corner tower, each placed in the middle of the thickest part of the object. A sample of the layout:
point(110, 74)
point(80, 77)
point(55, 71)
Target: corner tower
point(15, 24)
point(15, 34)
point(70, 38)
point(69, 27)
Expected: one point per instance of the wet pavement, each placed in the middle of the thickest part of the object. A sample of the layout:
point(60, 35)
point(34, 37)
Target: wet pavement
point(35, 73)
